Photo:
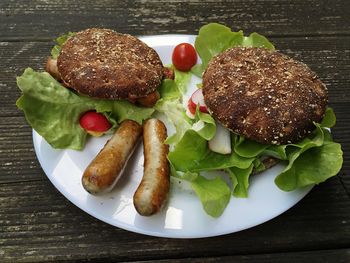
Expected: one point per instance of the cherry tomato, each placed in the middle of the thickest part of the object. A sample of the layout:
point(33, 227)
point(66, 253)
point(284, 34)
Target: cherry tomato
point(184, 56)
point(94, 123)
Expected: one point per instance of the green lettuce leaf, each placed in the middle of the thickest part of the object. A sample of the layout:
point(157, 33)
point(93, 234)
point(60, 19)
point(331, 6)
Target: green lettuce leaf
point(240, 180)
point(188, 176)
point(277, 151)
point(175, 114)
point(327, 135)
point(257, 40)
point(214, 194)
point(170, 104)
point(312, 167)
point(258, 166)
point(188, 151)
point(191, 153)
point(169, 90)
point(329, 119)
point(123, 110)
point(316, 138)
point(204, 125)
point(248, 148)
point(182, 79)
point(215, 38)
point(316, 151)
point(54, 111)
point(59, 43)
point(197, 70)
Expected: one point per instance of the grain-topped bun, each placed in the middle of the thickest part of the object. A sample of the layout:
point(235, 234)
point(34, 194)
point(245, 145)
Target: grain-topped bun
point(264, 95)
point(104, 64)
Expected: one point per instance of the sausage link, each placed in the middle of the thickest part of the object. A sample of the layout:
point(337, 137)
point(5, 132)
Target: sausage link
point(104, 171)
point(150, 100)
point(51, 68)
point(154, 187)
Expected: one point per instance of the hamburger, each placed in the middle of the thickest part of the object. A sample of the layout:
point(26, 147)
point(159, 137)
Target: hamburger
point(94, 79)
point(264, 95)
point(104, 64)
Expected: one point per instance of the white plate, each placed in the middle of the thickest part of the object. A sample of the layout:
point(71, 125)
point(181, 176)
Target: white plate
point(183, 215)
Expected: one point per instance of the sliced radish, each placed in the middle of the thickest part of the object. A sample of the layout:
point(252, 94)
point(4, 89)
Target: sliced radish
point(197, 99)
point(221, 142)
point(94, 123)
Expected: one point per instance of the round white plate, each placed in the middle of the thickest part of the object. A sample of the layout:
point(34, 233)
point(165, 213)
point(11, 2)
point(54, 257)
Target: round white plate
point(183, 215)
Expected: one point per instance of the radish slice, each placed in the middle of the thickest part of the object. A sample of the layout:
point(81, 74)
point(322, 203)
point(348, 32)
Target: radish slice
point(197, 98)
point(190, 114)
point(94, 123)
point(221, 142)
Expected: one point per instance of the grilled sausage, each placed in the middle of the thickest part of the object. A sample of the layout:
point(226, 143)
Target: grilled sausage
point(149, 100)
point(103, 172)
point(153, 97)
point(51, 68)
point(154, 187)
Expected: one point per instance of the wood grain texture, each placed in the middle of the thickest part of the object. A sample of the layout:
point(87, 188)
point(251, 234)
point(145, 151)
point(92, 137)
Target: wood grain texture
point(323, 256)
point(341, 134)
point(17, 157)
point(20, 19)
point(41, 225)
point(37, 224)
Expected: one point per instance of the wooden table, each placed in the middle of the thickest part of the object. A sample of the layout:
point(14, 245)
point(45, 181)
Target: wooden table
point(38, 224)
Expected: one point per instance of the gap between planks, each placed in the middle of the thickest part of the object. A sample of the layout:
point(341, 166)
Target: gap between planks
point(313, 35)
point(275, 256)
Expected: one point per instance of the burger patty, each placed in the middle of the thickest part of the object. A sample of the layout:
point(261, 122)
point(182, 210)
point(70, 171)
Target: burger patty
point(104, 64)
point(264, 95)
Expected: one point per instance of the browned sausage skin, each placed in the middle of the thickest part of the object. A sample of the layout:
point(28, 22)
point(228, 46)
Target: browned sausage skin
point(103, 172)
point(51, 68)
point(150, 100)
point(154, 187)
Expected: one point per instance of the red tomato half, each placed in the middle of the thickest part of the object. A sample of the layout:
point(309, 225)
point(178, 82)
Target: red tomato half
point(184, 56)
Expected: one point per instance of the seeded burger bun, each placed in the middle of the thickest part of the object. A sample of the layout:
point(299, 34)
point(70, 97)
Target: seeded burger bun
point(104, 64)
point(264, 95)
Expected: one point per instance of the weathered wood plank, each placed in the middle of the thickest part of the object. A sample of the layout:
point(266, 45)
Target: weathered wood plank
point(38, 19)
point(39, 224)
point(341, 134)
point(329, 57)
point(17, 157)
point(320, 256)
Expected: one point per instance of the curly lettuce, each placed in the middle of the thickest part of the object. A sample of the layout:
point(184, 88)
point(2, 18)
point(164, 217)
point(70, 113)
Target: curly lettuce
point(54, 111)
point(215, 38)
point(59, 43)
point(310, 161)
